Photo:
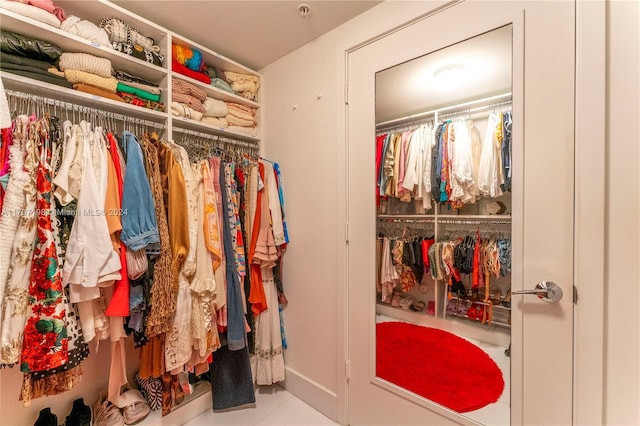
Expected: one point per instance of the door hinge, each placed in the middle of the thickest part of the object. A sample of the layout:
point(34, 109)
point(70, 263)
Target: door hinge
point(347, 370)
point(346, 233)
point(575, 295)
point(346, 94)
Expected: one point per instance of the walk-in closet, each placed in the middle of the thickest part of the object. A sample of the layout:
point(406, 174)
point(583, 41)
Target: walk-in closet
point(319, 212)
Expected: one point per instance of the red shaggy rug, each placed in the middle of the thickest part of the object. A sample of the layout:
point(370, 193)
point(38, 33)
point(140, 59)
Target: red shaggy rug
point(437, 365)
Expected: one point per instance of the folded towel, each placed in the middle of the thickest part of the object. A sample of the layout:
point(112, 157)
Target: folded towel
point(215, 108)
point(181, 69)
point(151, 89)
point(85, 29)
point(81, 87)
point(122, 87)
point(85, 62)
point(220, 122)
point(189, 100)
point(37, 74)
point(183, 110)
point(219, 83)
point(181, 86)
point(32, 12)
point(189, 57)
point(240, 115)
point(23, 60)
point(77, 76)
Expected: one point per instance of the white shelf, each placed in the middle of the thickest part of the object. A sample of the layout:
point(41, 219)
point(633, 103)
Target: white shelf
point(96, 10)
point(186, 123)
point(216, 93)
point(71, 43)
point(63, 94)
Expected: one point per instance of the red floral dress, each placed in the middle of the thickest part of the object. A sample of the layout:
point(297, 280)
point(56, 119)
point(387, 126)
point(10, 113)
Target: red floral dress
point(45, 344)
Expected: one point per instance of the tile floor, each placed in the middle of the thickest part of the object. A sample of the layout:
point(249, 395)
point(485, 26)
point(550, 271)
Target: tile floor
point(274, 406)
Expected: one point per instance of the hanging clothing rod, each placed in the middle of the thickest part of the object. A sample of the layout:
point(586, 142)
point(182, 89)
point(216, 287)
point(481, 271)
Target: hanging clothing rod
point(405, 219)
point(462, 105)
point(474, 222)
point(81, 109)
point(218, 138)
point(476, 109)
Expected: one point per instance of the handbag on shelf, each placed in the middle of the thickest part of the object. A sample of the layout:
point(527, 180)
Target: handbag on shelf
point(152, 56)
point(128, 40)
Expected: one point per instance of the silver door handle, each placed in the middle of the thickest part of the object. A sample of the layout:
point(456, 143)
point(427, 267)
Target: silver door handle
point(548, 291)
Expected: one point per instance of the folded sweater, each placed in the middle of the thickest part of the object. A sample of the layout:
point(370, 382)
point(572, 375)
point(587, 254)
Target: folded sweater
point(122, 87)
point(85, 62)
point(151, 89)
point(76, 76)
point(87, 88)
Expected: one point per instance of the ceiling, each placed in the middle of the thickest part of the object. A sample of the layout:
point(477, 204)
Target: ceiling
point(483, 63)
point(253, 33)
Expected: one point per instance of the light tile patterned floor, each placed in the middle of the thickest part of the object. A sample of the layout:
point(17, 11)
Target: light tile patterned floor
point(274, 406)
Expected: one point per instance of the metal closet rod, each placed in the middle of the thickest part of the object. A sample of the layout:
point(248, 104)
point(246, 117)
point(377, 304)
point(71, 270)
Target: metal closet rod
point(462, 105)
point(83, 109)
point(217, 138)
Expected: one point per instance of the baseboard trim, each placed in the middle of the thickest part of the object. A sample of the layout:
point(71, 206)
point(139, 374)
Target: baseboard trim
point(313, 393)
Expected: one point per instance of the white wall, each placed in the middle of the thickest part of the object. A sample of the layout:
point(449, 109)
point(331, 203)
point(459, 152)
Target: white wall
point(304, 129)
point(305, 133)
point(622, 351)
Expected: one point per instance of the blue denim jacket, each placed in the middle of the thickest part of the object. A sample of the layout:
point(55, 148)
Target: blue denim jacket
point(139, 227)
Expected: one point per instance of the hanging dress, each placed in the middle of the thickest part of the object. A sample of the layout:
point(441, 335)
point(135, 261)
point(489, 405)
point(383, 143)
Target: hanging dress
point(270, 361)
point(20, 202)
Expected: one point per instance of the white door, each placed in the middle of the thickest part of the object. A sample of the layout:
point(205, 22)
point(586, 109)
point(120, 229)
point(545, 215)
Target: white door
point(541, 386)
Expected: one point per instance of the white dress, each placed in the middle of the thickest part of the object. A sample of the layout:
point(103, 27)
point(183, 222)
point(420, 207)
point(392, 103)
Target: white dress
point(21, 194)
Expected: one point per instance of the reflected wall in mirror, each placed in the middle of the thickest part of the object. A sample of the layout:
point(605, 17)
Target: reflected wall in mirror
point(443, 226)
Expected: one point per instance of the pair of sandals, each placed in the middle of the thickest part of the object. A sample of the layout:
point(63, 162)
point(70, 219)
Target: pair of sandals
point(407, 302)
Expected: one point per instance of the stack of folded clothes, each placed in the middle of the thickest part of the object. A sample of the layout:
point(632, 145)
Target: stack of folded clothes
point(189, 62)
point(187, 100)
point(241, 119)
point(41, 10)
point(245, 85)
point(31, 58)
point(137, 91)
point(89, 74)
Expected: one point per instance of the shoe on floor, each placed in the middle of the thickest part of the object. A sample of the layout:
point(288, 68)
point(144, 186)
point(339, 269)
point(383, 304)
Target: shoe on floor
point(80, 414)
point(106, 414)
point(46, 418)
